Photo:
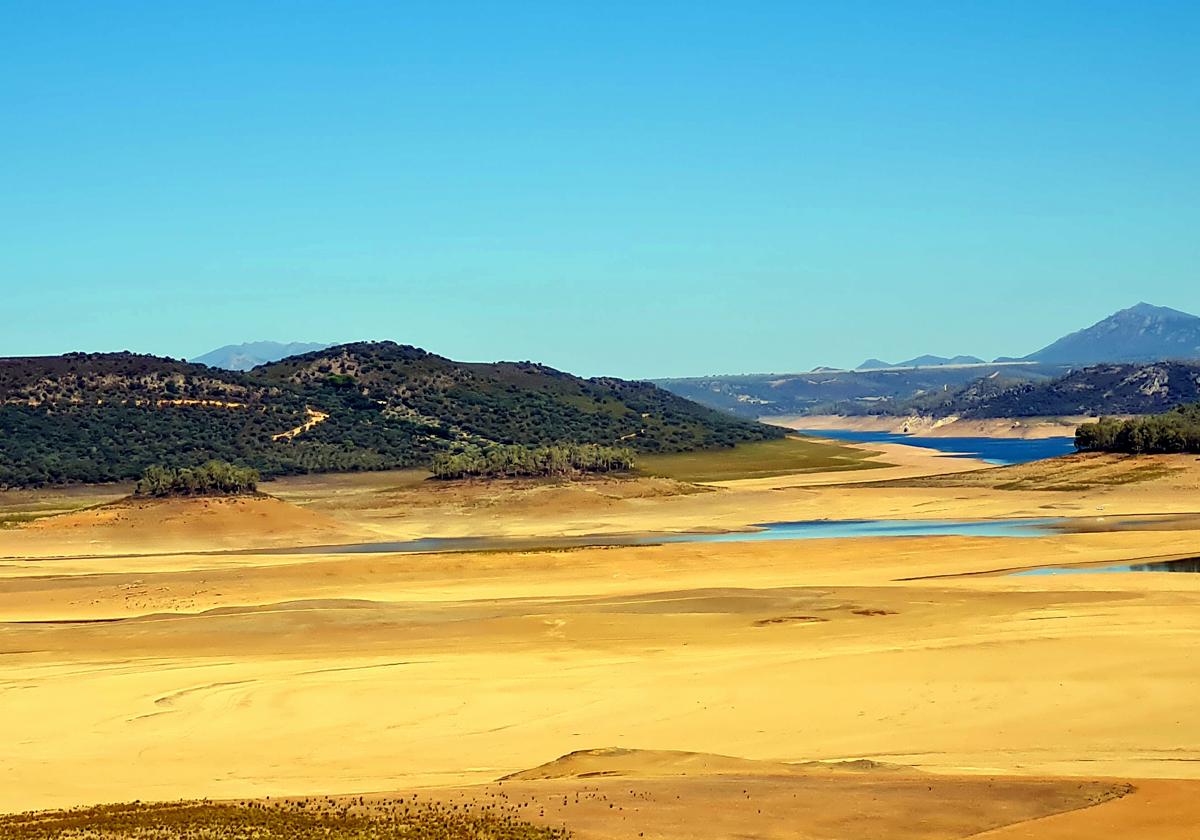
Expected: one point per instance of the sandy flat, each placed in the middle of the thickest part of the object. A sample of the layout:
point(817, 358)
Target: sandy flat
point(187, 674)
point(606, 794)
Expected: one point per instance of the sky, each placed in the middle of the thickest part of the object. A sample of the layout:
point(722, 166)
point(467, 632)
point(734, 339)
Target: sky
point(631, 189)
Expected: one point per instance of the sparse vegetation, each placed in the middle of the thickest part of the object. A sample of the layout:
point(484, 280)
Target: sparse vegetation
point(214, 478)
point(307, 819)
point(108, 417)
point(1094, 390)
point(1175, 431)
point(14, 520)
point(1072, 473)
point(792, 455)
point(542, 461)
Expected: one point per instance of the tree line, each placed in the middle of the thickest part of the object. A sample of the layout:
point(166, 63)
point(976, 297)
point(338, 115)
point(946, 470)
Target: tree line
point(512, 461)
point(215, 478)
point(1175, 431)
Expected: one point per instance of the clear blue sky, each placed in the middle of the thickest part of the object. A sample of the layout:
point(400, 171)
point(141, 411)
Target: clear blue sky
point(639, 189)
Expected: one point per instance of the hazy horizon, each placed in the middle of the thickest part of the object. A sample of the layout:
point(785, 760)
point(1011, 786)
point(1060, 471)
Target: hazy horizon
point(634, 191)
point(795, 369)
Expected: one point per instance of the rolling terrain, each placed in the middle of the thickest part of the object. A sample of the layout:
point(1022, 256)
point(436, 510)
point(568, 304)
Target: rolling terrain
point(1095, 390)
point(922, 361)
point(1106, 389)
point(1135, 361)
point(853, 687)
point(864, 391)
point(370, 405)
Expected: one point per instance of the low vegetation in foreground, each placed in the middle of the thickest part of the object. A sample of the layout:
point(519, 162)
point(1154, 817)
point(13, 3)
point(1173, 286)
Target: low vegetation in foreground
point(542, 461)
point(215, 478)
point(1176, 431)
point(401, 819)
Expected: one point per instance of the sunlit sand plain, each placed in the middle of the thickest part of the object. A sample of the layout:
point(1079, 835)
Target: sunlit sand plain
point(137, 666)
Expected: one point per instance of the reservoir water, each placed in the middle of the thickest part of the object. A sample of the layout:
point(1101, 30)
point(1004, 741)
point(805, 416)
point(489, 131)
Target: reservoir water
point(799, 530)
point(999, 451)
point(842, 528)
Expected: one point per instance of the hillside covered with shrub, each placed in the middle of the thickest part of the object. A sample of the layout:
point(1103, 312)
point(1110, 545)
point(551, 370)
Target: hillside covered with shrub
point(1175, 431)
point(362, 406)
point(1095, 390)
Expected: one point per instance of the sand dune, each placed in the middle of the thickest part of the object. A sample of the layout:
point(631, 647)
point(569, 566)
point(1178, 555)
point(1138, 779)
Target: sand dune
point(664, 795)
point(649, 764)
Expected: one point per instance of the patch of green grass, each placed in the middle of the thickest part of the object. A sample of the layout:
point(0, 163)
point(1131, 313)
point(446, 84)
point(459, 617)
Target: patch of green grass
point(1074, 473)
point(788, 456)
point(1086, 481)
point(13, 520)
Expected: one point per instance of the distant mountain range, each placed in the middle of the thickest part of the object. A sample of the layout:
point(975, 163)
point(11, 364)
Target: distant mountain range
point(1141, 333)
point(921, 361)
point(254, 353)
point(1073, 375)
point(1129, 388)
point(368, 405)
point(845, 391)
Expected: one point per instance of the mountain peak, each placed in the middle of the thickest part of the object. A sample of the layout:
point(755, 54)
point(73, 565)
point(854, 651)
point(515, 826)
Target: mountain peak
point(1150, 310)
point(254, 353)
point(1143, 332)
point(921, 361)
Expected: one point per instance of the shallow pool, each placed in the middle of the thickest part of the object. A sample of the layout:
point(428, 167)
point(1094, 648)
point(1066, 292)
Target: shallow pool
point(843, 528)
point(799, 530)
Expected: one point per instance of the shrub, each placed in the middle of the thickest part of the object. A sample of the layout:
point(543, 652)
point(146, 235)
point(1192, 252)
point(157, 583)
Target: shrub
point(511, 461)
point(1177, 430)
point(214, 478)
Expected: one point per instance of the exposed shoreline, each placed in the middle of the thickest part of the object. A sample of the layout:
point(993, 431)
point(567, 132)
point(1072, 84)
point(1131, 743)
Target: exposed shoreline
point(327, 674)
point(921, 426)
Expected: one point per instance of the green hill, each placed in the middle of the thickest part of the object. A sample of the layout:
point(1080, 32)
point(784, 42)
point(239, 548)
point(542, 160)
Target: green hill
point(369, 405)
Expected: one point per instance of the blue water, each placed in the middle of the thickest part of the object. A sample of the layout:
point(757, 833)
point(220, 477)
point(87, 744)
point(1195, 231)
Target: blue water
point(841, 528)
point(999, 451)
point(802, 530)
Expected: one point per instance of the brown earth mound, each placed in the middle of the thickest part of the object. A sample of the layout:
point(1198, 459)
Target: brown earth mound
point(606, 794)
point(144, 526)
point(616, 761)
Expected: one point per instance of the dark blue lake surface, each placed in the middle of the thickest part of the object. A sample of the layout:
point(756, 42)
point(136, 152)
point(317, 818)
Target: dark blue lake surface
point(999, 451)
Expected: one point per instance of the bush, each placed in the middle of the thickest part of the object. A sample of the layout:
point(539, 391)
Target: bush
point(1176, 431)
point(512, 461)
point(215, 478)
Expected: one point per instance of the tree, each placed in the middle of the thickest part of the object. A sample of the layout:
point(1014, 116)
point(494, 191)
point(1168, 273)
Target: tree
point(212, 478)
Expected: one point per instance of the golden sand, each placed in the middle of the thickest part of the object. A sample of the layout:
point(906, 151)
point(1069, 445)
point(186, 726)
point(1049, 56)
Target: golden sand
point(237, 675)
